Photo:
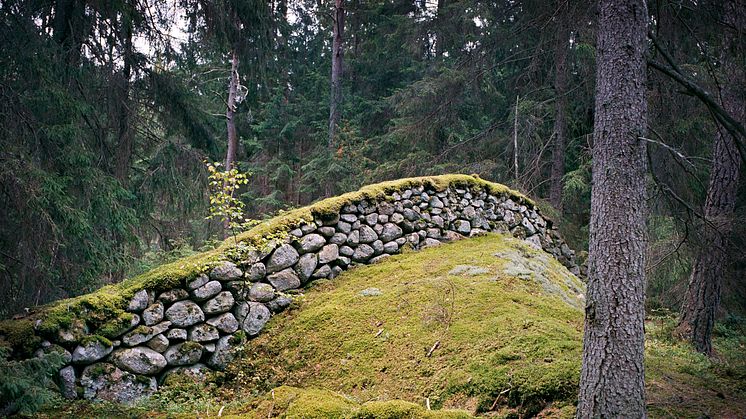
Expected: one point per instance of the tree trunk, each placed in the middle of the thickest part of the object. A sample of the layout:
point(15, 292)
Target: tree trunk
point(562, 43)
point(335, 100)
point(126, 133)
point(230, 113)
point(515, 141)
point(612, 376)
point(703, 294)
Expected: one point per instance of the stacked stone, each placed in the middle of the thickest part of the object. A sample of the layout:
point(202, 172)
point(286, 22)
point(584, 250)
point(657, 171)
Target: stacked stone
point(196, 327)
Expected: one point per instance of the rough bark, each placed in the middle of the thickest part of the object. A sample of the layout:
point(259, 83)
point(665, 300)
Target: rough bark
point(703, 293)
point(559, 142)
point(612, 375)
point(335, 100)
point(230, 113)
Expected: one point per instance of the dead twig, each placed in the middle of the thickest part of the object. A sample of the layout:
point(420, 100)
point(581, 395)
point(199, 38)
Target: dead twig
point(435, 346)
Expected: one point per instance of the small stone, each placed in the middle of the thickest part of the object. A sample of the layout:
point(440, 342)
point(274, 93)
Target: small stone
point(67, 382)
point(219, 304)
point(344, 227)
point(252, 317)
point(328, 253)
point(336, 271)
point(209, 347)
point(371, 292)
point(139, 360)
point(185, 313)
point(377, 247)
point(153, 314)
point(435, 202)
point(284, 280)
point(226, 271)
point(353, 239)
point(338, 239)
point(322, 272)
point(348, 218)
point(176, 334)
point(195, 373)
point(362, 253)
point(198, 282)
point(186, 353)
point(383, 219)
point(159, 343)
point(410, 215)
point(256, 272)
point(207, 291)
point(391, 232)
point(396, 218)
point(367, 234)
point(283, 257)
point(308, 228)
point(378, 258)
point(305, 266)
point(327, 231)
point(462, 227)
point(430, 243)
point(391, 248)
point(261, 292)
point(311, 243)
point(174, 295)
point(346, 251)
point(91, 351)
point(142, 334)
point(344, 261)
point(371, 219)
point(138, 302)
point(296, 232)
point(225, 323)
point(203, 333)
point(279, 304)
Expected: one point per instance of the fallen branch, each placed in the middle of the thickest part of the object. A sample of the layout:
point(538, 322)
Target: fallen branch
point(435, 346)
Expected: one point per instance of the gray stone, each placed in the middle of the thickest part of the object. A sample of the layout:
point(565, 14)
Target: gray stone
point(91, 351)
point(391, 248)
point(430, 243)
point(153, 314)
point(177, 334)
point(353, 239)
point(226, 271)
point(67, 357)
point(252, 317)
point(225, 323)
point(338, 239)
point(209, 347)
point(434, 233)
point(435, 202)
point(322, 272)
point(224, 352)
point(185, 313)
point(391, 232)
point(378, 258)
point(296, 232)
point(142, 334)
point(174, 295)
point(450, 236)
point(410, 214)
point(283, 257)
point(371, 292)
point(104, 381)
point(344, 261)
point(207, 291)
point(328, 253)
point(396, 218)
point(378, 228)
point(196, 373)
point(469, 213)
point(256, 272)
point(159, 343)
point(462, 226)
point(344, 227)
point(367, 234)
point(346, 251)
point(203, 333)
point(186, 353)
point(311, 243)
point(383, 219)
point(284, 280)
point(219, 304)
point(401, 241)
point(336, 270)
point(305, 266)
point(348, 218)
point(138, 302)
point(371, 219)
point(362, 253)
point(385, 208)
point(198, 282)
point(327, 231)
point(279, 304)
point(534, 241)
point(67, 382)
point(468, 270)
point(139, 360)
point(377, 247)
point(261, 292)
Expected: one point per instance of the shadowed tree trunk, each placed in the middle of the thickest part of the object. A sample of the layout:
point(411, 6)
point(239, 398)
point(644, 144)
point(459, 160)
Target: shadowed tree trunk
point(703, 294)
point(126, 145)
point(612, 376)
point(230, 113)
point(335, 100)
point(562, 43)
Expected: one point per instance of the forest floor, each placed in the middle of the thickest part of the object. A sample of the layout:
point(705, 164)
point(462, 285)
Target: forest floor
point(480, 327)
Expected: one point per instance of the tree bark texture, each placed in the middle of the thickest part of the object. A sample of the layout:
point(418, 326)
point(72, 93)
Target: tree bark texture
point(703, 293)
point(612, 375)
point(230, 113)
point(335, 100)
point(562, 43)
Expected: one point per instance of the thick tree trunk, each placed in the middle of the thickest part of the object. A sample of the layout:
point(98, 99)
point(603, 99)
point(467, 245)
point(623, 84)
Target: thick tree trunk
point(703, 294)
point(126, 133)
point(230, 113)
point(562, 43)
point(335, 100)
point(612, 376)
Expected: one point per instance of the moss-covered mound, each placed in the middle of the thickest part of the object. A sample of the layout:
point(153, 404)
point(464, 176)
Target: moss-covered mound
point(483, 324)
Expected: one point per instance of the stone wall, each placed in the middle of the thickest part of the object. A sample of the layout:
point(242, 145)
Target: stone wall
point(194, 326)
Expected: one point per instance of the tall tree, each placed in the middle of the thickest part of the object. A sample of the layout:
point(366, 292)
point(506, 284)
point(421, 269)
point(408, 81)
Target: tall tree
point(335, 99)
point(703, 294)
point(230, 112)
point(562, 44)
point(612, 375)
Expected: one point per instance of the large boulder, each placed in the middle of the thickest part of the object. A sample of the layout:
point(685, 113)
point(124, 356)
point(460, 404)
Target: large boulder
point(104, 381)
point(185, 313)
point(328, 253)
point(139, 360)
point(306, 265)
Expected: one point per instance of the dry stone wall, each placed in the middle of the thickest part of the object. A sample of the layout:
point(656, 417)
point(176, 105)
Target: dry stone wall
point(196, 326)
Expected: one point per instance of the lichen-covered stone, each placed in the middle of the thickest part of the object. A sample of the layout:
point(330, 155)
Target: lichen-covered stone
point(311, 243)
point(174, 295)
point(279, 304)
point(104, 381)
point(176, 334)
point(185, 313)
point(224, 352)
point(142, 334)
point(283, 257)
point(153, 314)
point(362, 253)
point(226, 271)
point(197, 282)
point(284, 280)
point(207, 291)
point(261, 292)
point(390, 232)
point(203, 333)
point(305, 266)
point(328, 253)
point(138, 302)
point(219, 304)
point(367, 234)
point(225, 322)
point(186, 353)
point(322, 272)
point(67, 382)
point(195, 373)
point(256, 272)
point(139, 360)
point(91, 351)
point(252, 316)
point(462, 227)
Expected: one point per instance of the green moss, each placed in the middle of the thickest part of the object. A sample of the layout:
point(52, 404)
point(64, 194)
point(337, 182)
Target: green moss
point(399, 409)
point(95, 338)
point(115, 327)
point(19, 335)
